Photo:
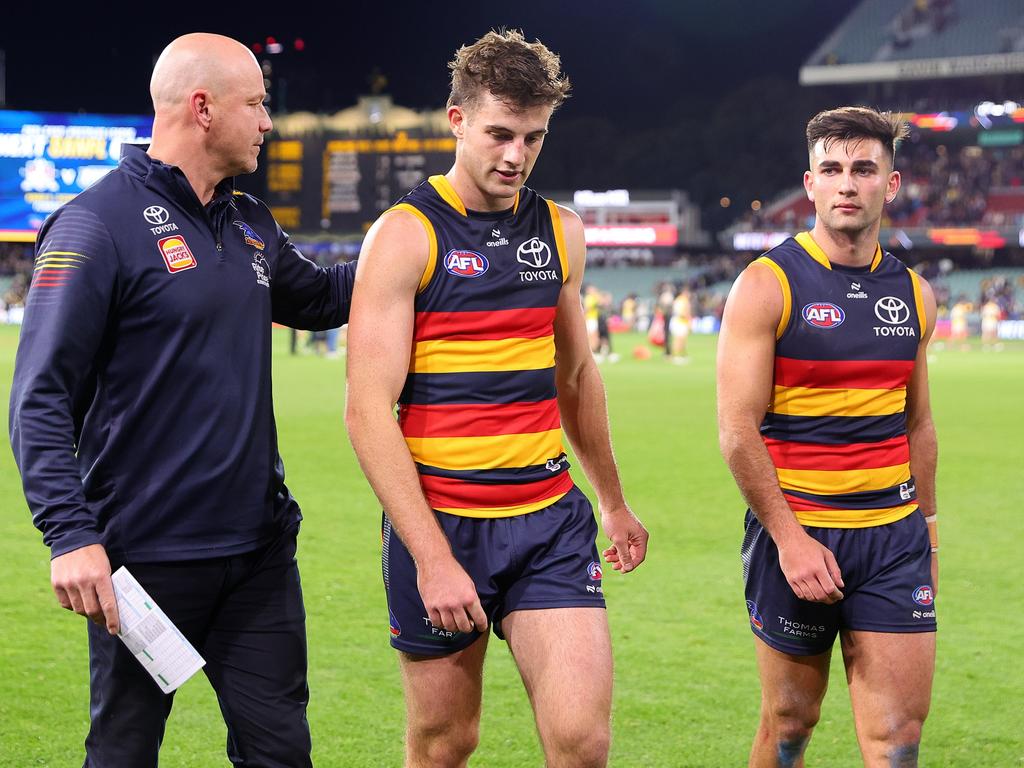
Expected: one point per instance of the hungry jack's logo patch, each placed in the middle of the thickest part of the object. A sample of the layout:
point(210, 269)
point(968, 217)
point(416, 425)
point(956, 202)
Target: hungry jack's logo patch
point(176, 253)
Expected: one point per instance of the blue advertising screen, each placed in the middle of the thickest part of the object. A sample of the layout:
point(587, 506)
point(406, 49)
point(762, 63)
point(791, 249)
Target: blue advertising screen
point(48, 158)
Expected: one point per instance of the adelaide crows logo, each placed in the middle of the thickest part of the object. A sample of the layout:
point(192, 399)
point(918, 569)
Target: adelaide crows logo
point(251, 238)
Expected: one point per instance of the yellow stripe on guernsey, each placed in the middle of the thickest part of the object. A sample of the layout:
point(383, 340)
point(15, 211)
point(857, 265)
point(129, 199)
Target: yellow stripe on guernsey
point(787, 294)
point(556, 225)
point(919, 301)
point(488, 512)
point(444, 356)
point(448, 193)
point(836, 481)
point(428, 270)
point(487, 452)
point(854, 518)
point(805, 401)
point(807, 243)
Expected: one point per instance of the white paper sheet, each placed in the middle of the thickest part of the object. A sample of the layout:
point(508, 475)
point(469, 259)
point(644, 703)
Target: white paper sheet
point(158, 645)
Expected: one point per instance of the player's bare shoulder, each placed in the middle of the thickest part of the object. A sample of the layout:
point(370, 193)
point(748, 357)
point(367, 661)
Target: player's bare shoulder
point(575, 241)
point(757, 297)
point(398, 244)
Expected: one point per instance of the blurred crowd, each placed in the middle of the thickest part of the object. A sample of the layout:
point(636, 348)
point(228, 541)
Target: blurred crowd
point(15, 270)
point(944, 186)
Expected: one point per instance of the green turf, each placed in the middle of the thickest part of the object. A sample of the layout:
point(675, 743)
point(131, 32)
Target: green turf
point(686, 684)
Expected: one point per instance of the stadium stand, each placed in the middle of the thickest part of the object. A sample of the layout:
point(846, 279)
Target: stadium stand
point(881, 31)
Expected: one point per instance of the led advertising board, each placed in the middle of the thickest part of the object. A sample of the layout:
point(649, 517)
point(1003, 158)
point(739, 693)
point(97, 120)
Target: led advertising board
point(48, 158)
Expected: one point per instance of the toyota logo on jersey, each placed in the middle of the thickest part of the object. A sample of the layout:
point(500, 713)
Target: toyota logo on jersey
point(465, 263)
point(534, 253)
point(822, 314)
point(892, 310)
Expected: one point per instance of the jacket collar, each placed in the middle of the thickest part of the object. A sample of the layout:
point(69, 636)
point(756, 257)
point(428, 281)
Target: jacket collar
point(168, 180)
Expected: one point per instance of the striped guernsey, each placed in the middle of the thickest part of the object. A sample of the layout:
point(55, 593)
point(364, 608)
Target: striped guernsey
point(836, 422)
point(479, 410)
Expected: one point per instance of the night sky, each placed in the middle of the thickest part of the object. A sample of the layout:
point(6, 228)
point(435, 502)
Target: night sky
point(627, 58)
point(646, 73)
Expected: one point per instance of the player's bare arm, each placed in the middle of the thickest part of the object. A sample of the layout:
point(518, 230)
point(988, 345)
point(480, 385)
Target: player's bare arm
point(924, 446)
point(746, 353)
point(584, 413)
point(391, 264)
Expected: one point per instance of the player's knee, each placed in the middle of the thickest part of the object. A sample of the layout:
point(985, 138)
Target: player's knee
point(791, 722)
point(902, 739)
point(579, 745)
point(442, 745)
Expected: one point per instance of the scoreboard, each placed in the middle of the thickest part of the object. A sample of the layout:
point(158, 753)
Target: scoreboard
point(338, 184)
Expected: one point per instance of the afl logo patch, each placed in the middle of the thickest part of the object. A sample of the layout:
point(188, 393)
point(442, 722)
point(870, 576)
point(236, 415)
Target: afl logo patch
point(595, 572)
point(822, 314)
point(465, 263)
point(923, 595)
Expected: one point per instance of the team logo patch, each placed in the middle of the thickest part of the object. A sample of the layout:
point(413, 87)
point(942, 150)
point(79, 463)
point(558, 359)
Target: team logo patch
point(251, 238)
point(822, 314)
point(261, 268)
point(595, 572)
point(923, 595)
point(396, 628)
point(465, 263)
point(755, 618)
point(176, 253)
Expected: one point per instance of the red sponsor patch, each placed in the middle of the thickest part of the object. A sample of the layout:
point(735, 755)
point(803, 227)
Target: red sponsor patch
point(176, 253)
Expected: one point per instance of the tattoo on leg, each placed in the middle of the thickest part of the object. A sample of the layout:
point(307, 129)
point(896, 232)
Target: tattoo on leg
point(904, 756)
point(789, 752)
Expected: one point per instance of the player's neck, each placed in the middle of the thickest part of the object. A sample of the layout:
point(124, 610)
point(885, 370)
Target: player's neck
point(472, 197)
point(847, 249)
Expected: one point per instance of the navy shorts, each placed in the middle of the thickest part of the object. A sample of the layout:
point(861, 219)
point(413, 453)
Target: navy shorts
point(543, 559)
point(886, 570)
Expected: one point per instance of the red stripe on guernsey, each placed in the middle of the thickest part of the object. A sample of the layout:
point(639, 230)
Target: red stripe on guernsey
point(478, 420)
point(480, 326)
point(803, 505)
point(818, 456)
point(449, 493)
point(842, 374)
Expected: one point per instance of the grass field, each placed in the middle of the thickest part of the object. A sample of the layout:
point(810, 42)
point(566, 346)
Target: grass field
point(686, 683)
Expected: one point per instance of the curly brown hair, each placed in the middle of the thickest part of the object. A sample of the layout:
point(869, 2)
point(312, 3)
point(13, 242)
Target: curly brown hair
point(519, 74)
point(853, 123)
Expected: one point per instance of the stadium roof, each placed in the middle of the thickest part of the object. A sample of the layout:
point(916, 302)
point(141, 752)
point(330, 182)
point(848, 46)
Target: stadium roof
point(921, 40)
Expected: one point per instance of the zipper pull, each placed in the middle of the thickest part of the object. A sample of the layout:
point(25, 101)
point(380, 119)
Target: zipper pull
point(220, 246)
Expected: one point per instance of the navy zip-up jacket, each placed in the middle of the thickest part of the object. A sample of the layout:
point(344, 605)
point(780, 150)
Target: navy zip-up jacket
point(141, 411)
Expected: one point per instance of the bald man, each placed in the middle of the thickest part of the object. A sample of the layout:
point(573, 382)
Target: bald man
point(141, 414)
